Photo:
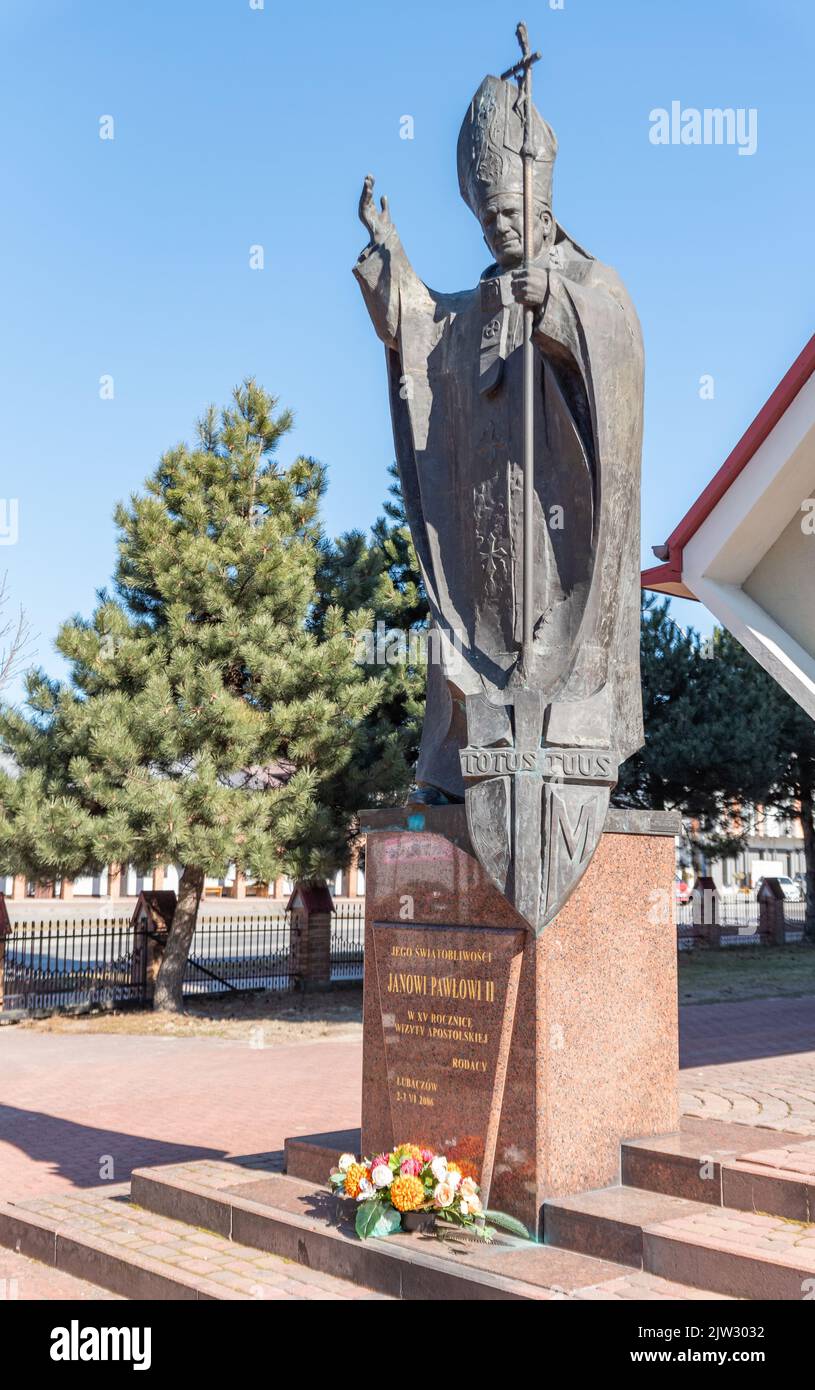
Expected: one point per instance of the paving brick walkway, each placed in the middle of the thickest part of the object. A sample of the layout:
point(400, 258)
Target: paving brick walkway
point(77, 1112)
point(774, 1029)
point(775, 1094)
point(750, 1063)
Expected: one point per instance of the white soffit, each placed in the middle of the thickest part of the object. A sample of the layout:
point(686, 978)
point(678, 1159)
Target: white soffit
point(759, 504)
point(758, 507)
point(772, 646)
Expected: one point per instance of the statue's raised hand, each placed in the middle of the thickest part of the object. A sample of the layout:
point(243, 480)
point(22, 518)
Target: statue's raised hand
point(376, 219)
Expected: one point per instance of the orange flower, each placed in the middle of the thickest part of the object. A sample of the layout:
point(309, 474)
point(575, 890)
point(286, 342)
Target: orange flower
point(408, 1151)
point(353, 1178)
point(407, 1194)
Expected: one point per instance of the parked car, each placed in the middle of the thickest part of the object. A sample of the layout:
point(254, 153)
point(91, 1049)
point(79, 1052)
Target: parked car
point(791, 890)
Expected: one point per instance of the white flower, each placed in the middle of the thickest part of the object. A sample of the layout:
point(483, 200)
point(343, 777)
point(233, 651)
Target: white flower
point(345, 1162)
point(439, 1168)
point(366, 1190)
point(469, 1188)
point(444, 1194)
point(464, 1209)
point(453, 1177)
point(382, 1175)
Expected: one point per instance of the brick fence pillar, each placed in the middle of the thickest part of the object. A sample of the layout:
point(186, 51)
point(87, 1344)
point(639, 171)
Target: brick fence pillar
point(311, 907)
point(706, 911)
point(771, 924)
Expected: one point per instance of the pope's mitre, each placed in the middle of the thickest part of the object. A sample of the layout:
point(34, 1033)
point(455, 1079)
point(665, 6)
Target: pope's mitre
point(489, 147)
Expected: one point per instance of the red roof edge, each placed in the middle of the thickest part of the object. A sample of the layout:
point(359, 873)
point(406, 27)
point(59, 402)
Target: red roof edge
point(749, 444)
point(667, 578)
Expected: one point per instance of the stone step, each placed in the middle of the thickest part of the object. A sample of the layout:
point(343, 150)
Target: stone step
point(743, 1254)
point(137, 1254)
point(299, 1219)
point(727, 1165)
point(608, 1223)
point(312, 1156)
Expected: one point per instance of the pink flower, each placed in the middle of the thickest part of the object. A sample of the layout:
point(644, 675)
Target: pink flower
point(381, 1160)
point(410, 1167)
point(427, 1155)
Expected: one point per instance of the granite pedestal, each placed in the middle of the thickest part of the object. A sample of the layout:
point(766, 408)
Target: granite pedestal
point(529, 1059)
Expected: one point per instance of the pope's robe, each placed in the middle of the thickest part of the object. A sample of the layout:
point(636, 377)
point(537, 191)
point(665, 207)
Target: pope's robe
point(455, 367)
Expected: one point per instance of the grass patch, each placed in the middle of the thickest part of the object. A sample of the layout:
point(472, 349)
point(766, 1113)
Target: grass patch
point(709, 976)
point(264, 1019)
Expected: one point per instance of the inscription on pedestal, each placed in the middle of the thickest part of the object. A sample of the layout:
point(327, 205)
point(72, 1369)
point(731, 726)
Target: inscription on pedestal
point(446, 998)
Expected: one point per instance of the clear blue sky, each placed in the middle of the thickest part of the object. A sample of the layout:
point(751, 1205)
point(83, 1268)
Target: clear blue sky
point(236, 126)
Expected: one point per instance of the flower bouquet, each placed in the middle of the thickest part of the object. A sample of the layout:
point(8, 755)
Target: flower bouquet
point(396, 1190)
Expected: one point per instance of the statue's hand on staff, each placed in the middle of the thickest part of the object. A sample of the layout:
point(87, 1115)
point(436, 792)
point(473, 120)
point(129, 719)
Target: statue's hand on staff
point(376, 219)
point(530, 286)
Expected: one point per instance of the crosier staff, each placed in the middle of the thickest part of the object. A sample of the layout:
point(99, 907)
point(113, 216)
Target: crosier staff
point(522, 73)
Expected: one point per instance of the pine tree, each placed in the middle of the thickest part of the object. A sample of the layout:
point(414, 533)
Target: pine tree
point(381, 575)
point(711, 736)
point(720, 733)
point(207, 718)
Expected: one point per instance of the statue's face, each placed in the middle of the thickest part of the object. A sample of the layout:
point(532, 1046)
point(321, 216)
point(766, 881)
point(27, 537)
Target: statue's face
point(502, 222)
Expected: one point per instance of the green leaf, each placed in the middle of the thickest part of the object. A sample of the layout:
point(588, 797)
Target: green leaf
point(376, 1219)
point(508, 1223)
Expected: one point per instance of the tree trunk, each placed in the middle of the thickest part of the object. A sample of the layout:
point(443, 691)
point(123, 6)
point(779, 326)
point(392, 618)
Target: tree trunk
point(808, 824)
point(698, 861)
point(170, 982)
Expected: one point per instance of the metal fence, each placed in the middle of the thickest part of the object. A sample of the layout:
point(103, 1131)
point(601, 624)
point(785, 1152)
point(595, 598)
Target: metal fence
point(74, 963)
point(49, 966)
point(738, 919)
point(239, 953)
point(347, 941)
point(87, 962)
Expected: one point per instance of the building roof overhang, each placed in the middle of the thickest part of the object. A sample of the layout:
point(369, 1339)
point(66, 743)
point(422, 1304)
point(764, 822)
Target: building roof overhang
point(739, 549)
